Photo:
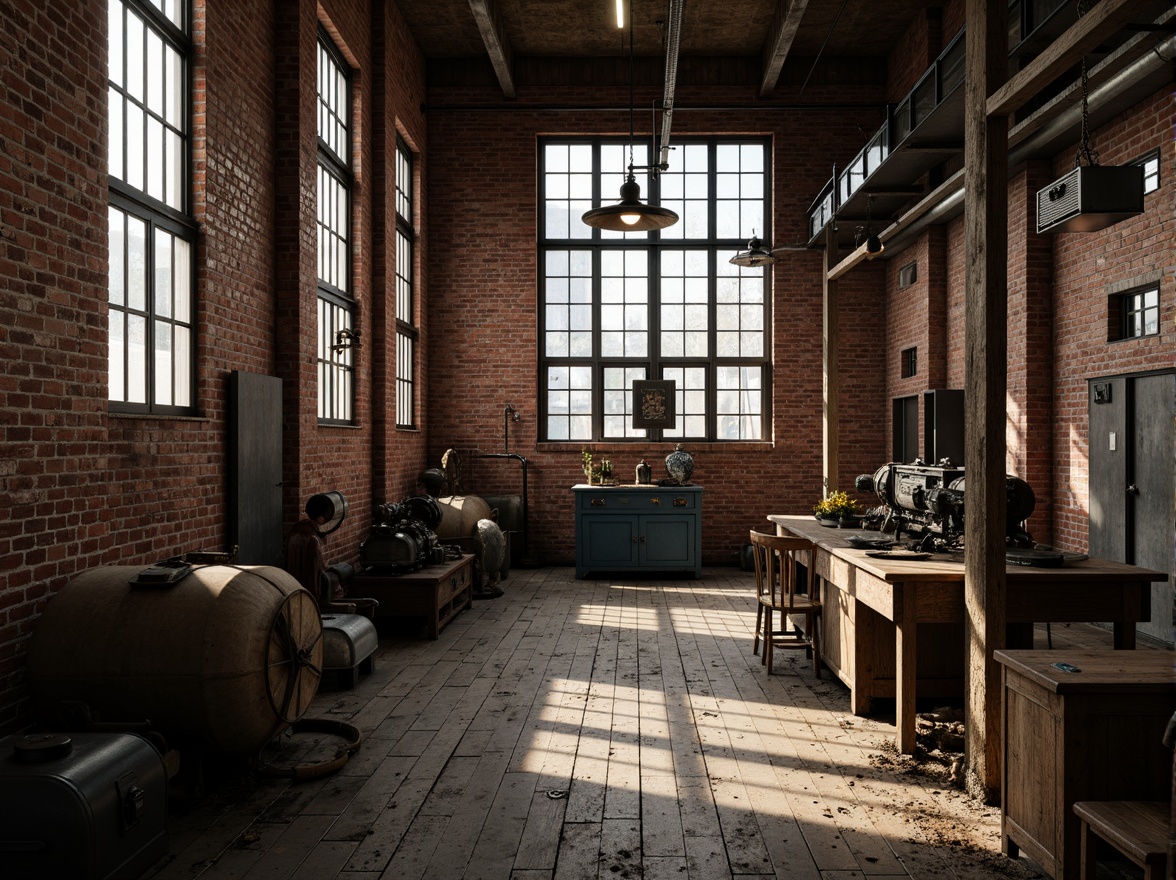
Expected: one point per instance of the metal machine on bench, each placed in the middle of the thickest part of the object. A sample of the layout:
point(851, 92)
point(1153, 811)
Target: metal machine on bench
point(927, 502)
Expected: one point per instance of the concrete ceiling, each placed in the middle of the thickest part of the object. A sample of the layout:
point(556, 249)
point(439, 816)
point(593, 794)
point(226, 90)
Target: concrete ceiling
point(587, 28)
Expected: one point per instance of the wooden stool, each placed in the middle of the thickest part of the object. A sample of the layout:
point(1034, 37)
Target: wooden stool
point(1137, 829)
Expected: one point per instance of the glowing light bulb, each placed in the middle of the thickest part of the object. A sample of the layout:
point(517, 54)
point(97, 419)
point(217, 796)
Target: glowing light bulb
point(630, 219)
point(620, 13)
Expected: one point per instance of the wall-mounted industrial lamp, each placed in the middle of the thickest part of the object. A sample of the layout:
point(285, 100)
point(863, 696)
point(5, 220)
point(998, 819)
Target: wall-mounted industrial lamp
point(346, 338)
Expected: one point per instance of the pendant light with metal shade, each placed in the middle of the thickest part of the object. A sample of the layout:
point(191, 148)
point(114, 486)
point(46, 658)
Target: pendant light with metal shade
point(630, 214)
point(759, 254)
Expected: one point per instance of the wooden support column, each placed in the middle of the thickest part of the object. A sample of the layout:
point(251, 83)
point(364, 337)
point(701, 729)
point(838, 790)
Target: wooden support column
point(985, 379)
point(830, 471)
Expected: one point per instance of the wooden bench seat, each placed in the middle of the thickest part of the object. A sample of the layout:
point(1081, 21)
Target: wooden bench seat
point(1137, 829)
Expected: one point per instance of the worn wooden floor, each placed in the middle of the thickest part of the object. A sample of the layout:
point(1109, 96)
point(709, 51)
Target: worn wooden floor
point(594, 729)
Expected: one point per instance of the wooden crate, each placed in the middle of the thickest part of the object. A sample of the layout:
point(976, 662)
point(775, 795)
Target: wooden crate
point(436, 593)
point(1092, 735)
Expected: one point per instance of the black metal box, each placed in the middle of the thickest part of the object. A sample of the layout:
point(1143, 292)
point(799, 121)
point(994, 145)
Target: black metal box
point(82, 805)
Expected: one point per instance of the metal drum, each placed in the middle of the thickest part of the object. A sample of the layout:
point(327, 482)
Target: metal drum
point(228, 654)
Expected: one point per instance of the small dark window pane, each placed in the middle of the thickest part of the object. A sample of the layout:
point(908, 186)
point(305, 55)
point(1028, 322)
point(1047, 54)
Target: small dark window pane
point(1139, 312)
point(908, 275)
point(910, 362)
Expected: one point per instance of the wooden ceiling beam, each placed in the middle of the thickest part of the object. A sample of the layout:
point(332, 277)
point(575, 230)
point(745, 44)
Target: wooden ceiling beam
point(1087, 33)
point(783, 31)
point(497, 45)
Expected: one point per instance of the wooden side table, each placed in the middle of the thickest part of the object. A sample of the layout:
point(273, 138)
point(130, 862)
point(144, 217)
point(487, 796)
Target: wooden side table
point(436, 592)
point(1091, 735)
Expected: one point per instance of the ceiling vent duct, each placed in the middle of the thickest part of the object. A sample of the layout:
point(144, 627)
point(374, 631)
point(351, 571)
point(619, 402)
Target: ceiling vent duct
point(1089, 198)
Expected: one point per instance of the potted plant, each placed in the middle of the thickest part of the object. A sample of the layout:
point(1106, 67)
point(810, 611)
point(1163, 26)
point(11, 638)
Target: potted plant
point(837, 509)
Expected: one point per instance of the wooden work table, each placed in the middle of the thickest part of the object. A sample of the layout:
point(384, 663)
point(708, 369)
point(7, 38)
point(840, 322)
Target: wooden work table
point(891, 628)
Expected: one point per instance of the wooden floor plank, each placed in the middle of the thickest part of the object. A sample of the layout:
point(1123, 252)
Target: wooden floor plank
point(580, 729)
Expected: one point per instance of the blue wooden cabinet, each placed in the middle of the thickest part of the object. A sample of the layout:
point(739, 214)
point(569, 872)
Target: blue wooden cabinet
point(638, 528)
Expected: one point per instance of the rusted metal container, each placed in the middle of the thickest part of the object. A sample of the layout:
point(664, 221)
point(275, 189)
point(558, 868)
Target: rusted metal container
point(228, 654)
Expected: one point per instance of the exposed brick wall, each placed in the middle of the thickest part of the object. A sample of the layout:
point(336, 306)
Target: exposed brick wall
point(55, 463)
point(483, 314)
point(1087, 268)
point(80, 487)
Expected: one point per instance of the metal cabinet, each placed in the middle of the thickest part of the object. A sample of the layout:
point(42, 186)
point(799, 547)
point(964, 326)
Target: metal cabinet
point(638, 528)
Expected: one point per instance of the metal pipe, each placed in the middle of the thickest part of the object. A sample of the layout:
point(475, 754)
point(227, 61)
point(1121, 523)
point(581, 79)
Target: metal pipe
point(673, 41)
point(1149, 62)
point(508, 412)
point(523, 460)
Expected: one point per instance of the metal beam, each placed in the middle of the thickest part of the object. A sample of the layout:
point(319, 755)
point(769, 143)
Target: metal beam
point(831, 443)
point(1106, 17)
point(497, 46)
point(784, 27)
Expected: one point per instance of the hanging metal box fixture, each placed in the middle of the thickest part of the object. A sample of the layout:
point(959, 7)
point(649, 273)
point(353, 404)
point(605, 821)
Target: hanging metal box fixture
point(1090, 197)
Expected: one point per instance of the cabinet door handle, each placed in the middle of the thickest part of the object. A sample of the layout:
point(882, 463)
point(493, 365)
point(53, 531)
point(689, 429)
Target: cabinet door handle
point(643, 539)
point(655, 500)
point(679, 502)
point(634, 539)
point(597, 502)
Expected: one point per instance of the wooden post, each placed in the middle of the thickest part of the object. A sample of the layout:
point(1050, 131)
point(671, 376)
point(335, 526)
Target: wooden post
point(985, 381)
point(830, 471)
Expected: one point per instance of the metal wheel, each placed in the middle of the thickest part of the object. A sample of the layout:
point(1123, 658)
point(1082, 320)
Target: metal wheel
point(294, 662)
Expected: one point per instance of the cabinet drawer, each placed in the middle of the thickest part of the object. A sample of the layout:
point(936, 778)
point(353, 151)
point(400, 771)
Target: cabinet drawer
point(637, 502)
point(456, 582)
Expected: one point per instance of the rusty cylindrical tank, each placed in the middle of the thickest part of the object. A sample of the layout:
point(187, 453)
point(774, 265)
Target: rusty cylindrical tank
point(460, 515)
point(228, 654)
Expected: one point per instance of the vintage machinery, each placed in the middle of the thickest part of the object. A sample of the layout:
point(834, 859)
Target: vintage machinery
point(927, 502)
point(404, 538)
point(82, 805)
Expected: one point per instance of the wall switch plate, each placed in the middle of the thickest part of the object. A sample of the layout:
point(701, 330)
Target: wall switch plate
point(1113, 441)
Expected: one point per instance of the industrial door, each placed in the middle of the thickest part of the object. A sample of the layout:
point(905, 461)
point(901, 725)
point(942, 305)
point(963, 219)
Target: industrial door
point(1133, 480)
point(255, 467)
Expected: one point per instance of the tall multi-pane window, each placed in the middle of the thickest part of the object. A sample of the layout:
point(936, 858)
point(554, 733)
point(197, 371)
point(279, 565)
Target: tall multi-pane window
point(150, 301)
point(336, 305)
point(668, 304)
point(406, 326)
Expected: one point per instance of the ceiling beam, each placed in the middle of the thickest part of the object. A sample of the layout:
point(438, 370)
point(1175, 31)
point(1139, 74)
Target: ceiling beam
point(497, 46)
point(779, 42)
point(1063, 53)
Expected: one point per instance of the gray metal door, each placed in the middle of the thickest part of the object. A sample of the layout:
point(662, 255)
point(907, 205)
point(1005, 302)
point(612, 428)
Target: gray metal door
point(1133, 481)
point(255, 468)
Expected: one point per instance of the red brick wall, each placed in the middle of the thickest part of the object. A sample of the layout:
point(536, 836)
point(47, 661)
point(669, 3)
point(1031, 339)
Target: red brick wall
point(1059, 286)
point(483, 318)
point(1087, 269)
point(79, 486)
point(55, 465)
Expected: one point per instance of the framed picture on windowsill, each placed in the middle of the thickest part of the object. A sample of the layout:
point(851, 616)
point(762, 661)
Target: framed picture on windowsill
point(653, 403)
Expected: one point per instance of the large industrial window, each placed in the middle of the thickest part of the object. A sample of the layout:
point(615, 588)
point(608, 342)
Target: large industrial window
point(407, 332)
point(668, 304)
point(150, 302)
point(336, 306)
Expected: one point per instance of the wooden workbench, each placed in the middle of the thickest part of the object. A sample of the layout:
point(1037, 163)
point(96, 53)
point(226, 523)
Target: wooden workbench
point(894, 628)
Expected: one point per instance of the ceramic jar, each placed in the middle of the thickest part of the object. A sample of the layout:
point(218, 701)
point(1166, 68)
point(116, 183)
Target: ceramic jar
point(679, 465)
point(644, 474)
